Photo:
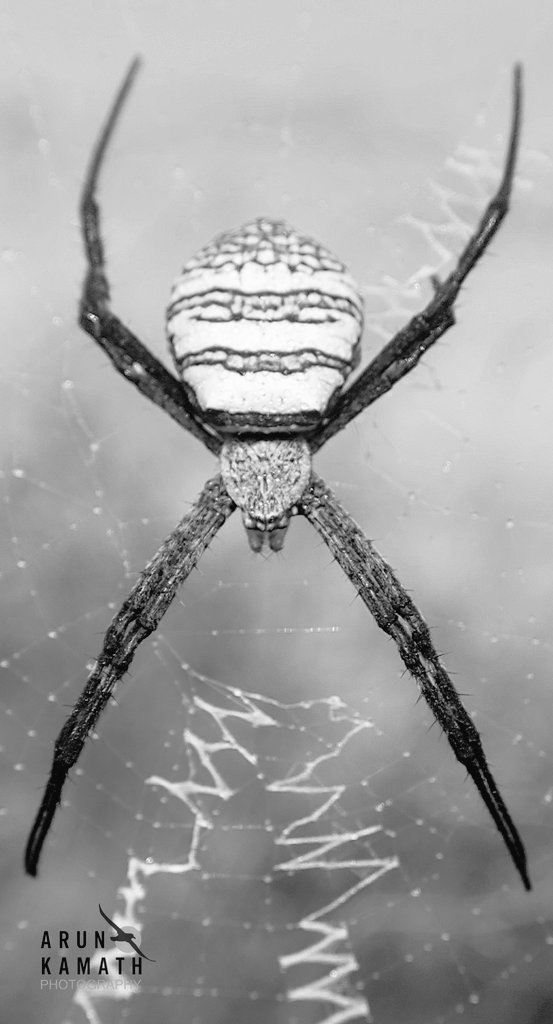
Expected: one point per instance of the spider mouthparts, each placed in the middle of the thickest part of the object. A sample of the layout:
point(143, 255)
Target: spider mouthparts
point(276, 538)
point(258, 537)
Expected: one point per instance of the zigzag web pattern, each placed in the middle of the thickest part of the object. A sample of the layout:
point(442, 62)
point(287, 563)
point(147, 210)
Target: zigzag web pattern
point(274, 856)
point(320, 943)
point(312, 841)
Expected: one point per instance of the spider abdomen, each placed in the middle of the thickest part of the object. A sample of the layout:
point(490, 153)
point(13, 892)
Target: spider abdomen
point(264, 326)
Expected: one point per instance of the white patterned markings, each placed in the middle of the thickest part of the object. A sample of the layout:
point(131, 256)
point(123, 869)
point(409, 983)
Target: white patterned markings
point(264, 326)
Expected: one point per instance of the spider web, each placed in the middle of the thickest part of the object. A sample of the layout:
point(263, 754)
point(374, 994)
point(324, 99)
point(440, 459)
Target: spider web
point(266, 805)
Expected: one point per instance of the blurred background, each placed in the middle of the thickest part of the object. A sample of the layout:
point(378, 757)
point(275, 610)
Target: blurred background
point(380, 129)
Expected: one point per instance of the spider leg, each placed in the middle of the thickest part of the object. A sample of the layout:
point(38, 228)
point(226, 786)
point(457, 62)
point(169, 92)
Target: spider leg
point(396, 614)
point(129, 356)
point(405, 349)
point(139, 616)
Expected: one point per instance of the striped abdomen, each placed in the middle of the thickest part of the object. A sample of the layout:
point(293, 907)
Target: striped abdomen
point(264, 326)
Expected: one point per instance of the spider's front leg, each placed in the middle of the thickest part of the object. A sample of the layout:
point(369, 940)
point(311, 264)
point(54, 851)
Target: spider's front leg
point(139, 616)
point(396, 614)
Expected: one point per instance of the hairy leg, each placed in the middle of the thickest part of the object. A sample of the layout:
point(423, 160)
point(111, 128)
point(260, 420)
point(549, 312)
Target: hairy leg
point(129, 356)
point(139, 616)
point(395, 613)
point(405, 349)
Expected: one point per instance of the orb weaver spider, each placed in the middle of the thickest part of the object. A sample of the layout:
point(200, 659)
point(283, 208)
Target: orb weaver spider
point(264, 326)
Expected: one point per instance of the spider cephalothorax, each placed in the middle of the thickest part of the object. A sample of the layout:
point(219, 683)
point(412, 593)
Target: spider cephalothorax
point(264, 326)
point(266, 480)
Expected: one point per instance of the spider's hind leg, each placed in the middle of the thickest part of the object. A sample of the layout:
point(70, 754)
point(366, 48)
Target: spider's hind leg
point(402, 353)
point(127, 353)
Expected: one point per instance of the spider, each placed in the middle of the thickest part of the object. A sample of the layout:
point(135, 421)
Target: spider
point(264, 325)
